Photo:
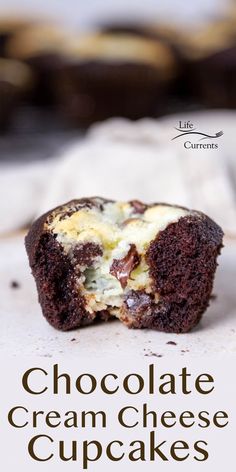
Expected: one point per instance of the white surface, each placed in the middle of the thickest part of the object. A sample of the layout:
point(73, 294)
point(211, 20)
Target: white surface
point(25, 331)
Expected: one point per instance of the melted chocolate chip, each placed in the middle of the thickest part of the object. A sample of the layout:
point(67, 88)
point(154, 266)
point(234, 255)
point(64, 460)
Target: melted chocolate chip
point(122, 268)
point(137, 301)
point(84, 254)
point(138, 206)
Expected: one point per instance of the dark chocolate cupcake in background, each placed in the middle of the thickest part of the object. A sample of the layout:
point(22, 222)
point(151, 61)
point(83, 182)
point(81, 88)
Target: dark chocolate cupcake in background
point(40, 47)
point(172, 36)
point(129, 70)
point(16, 79)
point(115, 75)
point(8, 27)
point(206, 59)
point(210, 57)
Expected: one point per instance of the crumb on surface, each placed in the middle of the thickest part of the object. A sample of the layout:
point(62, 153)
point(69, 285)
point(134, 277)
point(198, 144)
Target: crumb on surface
point(153, 354)
point(172, 343)
point(14, 284)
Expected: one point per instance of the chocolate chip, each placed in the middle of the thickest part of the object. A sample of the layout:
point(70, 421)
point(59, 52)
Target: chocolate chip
point(153, 354)
point(137, 301)
point(122, 268)
point(138, 206)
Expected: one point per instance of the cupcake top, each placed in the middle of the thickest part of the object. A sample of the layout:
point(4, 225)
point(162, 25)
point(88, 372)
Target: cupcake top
point(15, 73)
point(152, 29)
point(170, 32)
point(121, 48)
point(36, 40)
point(10, 24)
point(212, 38)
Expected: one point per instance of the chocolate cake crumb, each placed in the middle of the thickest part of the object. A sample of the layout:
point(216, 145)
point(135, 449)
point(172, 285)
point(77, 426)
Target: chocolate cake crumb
point(14, 284)
point(73, 339)
point(85, 254)
point(153, 354)
point(172, 343)
point(139, 207)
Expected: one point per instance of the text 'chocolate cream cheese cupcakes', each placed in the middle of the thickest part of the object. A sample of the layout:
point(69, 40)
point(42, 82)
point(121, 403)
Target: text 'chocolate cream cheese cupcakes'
point(150, 266)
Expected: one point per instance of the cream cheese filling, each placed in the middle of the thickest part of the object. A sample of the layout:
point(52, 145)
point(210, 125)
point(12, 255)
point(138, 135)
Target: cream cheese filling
point(114, 229)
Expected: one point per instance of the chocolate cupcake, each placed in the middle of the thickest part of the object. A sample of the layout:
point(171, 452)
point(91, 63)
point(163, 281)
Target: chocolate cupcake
point(115, 75)
point(151, 266)
point(211, 64)
point(15, 81)
point(173, 37)
point(40, 47)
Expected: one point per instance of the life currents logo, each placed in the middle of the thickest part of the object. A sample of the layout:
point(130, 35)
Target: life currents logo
point(193, 138)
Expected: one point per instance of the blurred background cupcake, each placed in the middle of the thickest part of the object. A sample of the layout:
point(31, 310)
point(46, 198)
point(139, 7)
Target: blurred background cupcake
point(108, 75)
point(210, 61)
point(16, 79)
point(40, 46)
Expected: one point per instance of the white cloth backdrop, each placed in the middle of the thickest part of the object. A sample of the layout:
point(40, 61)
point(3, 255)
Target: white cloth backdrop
point(124, 160)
